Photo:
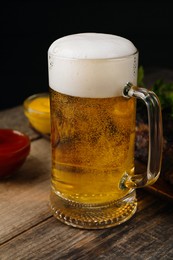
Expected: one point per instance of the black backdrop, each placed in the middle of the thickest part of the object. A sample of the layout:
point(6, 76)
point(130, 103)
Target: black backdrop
point(29, 27)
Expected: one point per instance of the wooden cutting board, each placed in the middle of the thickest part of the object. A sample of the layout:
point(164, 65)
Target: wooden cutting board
point(161, 187)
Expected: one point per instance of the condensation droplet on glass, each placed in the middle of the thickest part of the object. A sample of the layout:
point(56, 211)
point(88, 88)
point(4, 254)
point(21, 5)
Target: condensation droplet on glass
point(50, 62)
point(134, 66)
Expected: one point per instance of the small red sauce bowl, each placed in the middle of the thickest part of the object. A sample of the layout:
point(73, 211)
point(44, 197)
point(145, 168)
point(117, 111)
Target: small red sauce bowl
point(14, 148)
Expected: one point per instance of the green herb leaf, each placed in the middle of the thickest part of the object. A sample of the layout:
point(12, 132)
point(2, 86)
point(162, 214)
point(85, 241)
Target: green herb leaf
point(140, 76)
point(164, 91)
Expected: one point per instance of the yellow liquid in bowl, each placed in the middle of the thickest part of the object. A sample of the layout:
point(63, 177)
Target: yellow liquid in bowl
point(37, 111)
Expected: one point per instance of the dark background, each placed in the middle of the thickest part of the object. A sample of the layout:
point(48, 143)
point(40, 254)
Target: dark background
point(29, 27)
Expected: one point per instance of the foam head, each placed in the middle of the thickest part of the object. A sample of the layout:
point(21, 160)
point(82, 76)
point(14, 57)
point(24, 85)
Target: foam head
point(92, 65)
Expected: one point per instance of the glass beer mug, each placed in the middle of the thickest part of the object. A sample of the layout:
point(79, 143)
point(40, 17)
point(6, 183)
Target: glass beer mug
point(92, 79)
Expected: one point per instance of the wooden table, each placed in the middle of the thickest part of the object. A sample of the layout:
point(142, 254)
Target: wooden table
point(29, 231)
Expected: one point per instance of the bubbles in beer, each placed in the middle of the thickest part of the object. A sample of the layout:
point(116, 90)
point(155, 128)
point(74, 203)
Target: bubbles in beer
point(93, 146)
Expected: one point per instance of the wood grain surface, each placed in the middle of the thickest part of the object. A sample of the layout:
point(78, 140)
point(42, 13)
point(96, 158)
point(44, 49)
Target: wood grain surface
point(29, 231)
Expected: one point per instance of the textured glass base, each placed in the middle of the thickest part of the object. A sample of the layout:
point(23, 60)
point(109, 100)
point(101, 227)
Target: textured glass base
point(90, 216)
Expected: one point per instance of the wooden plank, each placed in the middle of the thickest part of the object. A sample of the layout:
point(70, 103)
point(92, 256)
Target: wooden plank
point(139, 238)
point(25, 196)
point(14, 118)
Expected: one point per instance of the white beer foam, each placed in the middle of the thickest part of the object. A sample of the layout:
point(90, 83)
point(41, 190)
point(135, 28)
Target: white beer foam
point(92, 65)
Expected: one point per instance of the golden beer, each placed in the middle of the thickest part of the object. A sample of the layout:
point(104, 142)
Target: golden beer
point(92, 79)
point(92, 129)
point(92, 147)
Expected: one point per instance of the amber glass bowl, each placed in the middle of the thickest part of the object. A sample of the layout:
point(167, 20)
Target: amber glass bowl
point(37, 110)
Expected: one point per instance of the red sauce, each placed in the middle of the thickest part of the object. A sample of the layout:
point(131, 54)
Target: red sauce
point(14, 148)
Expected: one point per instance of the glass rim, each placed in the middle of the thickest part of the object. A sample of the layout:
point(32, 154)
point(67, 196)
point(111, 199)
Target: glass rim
point(93, 59)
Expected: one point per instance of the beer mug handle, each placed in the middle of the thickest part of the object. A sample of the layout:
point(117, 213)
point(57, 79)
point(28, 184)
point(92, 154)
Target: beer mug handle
point(155, 136)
